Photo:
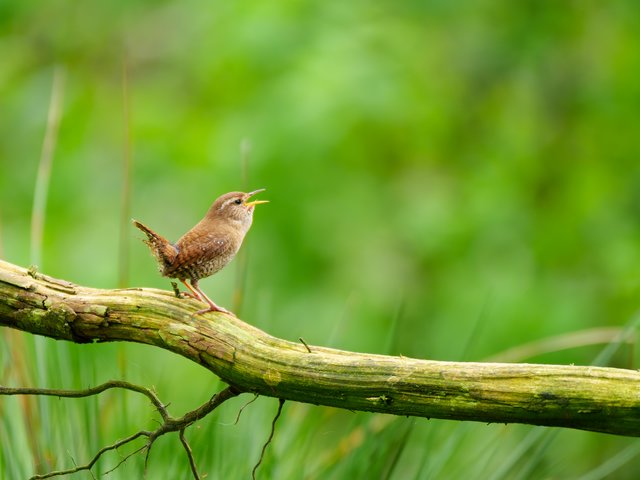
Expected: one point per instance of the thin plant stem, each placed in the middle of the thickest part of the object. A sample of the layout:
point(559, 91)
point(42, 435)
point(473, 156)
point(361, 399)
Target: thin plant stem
point(37, 229)
point(44, 169)
point(241, 259)
point(1, 248)
point(125, 205)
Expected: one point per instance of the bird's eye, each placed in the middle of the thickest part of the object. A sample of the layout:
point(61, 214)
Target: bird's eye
point(237, 201)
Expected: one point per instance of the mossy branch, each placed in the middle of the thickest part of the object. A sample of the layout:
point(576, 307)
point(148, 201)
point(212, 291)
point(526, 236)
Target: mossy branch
point(582, 397)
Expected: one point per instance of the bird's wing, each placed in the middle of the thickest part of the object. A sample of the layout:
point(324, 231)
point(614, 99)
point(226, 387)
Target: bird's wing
point(198, 248)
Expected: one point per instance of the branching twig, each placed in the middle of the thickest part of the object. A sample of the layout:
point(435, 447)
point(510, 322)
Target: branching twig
point(168, 424)
point(138, 450)
point(273, 430)
point(97, 456)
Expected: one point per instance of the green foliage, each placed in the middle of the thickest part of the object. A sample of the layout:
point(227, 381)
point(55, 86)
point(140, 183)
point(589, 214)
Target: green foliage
point(448, 180)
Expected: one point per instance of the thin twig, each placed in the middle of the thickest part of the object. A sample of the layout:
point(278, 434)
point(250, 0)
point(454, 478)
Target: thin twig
point(203, 410)
point(126, 457)
point(192, 462)
point(52, 392)
point(305, 344)
point(273, 429)
point(97, 456)
point(146, 460)
point(168, 424)
point(245, 406)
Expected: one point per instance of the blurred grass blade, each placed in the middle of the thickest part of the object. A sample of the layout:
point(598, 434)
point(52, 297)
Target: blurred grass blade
point(525, 446)
point(241, 258)
point(391, 340)
point(125, 207)
point(397, 448)
point(44, 169)
point(581, 338)
point(536, 457)
point(436, 467)
point(245, 154)
point(476, 329)
point(625, 335)
point(606, 469)
point(37, 228)
point(1, 249)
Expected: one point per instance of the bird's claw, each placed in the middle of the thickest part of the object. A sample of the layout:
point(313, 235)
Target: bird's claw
point(189, 295)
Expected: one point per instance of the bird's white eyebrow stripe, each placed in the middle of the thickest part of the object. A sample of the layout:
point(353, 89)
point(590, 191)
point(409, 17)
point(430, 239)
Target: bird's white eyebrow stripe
point(229, 201)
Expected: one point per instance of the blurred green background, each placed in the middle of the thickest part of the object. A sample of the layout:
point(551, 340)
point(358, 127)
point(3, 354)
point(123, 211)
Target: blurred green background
point(448, 180)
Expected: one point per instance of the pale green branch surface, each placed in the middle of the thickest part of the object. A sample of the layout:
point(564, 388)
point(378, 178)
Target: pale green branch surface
point(587, 398)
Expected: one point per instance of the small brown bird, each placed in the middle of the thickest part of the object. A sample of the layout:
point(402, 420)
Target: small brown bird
point(207, 247)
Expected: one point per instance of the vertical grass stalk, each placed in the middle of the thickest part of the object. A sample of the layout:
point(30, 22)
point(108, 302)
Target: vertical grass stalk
point(1, 249)
point(241, 258)
point(37, 228)
point(44, 169)
point(125, 206)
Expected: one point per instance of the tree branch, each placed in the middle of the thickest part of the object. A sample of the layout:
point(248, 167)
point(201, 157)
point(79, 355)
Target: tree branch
point(587, 398)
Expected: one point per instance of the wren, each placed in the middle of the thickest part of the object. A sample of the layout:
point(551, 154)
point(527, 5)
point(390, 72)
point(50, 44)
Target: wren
point(208, 247)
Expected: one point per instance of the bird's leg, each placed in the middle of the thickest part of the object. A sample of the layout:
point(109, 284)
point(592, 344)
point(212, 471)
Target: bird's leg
point(212, 306)
point(193, 294)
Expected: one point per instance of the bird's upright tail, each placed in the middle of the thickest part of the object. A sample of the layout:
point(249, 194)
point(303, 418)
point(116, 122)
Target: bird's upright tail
point(161, 248)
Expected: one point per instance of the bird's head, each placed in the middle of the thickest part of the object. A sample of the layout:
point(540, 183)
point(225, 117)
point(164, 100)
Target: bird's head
point(236, 208)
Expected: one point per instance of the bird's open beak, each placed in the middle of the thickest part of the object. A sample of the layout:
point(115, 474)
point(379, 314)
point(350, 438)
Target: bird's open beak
point(255, 202)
